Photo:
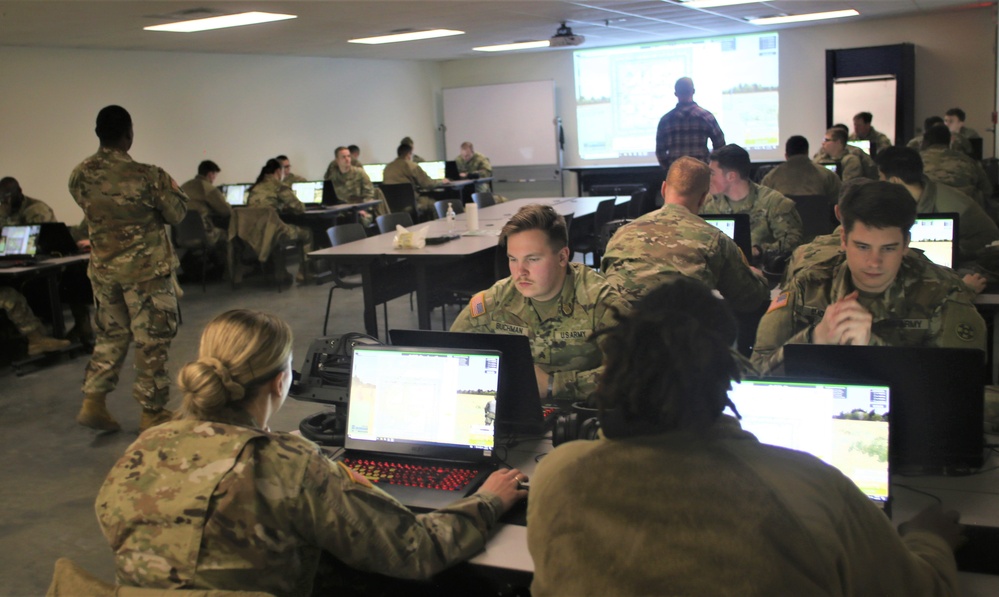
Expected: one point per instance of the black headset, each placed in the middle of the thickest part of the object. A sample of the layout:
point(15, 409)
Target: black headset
point(327, 428)
point(581, 423)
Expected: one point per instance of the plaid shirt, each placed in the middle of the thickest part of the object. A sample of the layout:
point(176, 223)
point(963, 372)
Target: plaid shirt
point(685, 130)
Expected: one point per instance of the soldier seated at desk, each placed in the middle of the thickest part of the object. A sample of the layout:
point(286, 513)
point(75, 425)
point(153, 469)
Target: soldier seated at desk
point(15, 307)
point(269, 191)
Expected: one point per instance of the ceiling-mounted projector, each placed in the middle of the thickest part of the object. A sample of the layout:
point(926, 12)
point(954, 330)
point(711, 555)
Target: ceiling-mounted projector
point(564, 37)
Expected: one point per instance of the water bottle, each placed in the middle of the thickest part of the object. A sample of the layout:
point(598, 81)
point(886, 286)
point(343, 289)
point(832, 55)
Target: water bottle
point(450, 219)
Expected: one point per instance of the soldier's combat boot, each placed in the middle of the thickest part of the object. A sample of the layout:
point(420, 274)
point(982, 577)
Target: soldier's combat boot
point(94, 414)
point(39, 343)
point(152, 418)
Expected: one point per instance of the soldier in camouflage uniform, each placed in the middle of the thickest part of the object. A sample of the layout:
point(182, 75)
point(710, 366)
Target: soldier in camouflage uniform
point(260, 507)
point(958, 142)
point(287, 176)
point(852, 161)
point(472, 164)
point(863, 131)
point(800, 176)
point(18, 210)
point(269, 191)
point(128, 205)
point(15, 306)
point(952, 168)
point(556, 304)
point(352, 184)
point(403, 170)
point(870, 294)
point(775, 225)
point(409, 141)
point(954, 119)
point(355, 156)
point(673, 241)
point(205, 198)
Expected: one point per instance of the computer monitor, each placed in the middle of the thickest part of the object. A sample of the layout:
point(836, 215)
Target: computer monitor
point(736, 227)
point(235, 194)
point(451, 170)
point(19, 241)
point(834, 168)
point(863, 144)
point(936, 236)
point(310, 192)
point(434, 170)
point(375, 172)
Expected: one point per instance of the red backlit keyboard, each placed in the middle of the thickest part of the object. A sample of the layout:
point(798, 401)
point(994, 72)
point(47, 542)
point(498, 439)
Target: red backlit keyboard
point(447, 478)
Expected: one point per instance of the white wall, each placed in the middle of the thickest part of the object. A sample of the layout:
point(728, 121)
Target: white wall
point(236, 110)
point(955, 66)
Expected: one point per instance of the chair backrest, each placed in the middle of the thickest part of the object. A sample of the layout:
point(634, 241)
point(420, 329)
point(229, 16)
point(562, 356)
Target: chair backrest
point(604, 214)
point(190, 232)
point(345, 233)
point(483, 199)
point(817, 215)
point(400, 197)
point(607, 232)
point(388, 222)
point(441, 207)
point(640, 204)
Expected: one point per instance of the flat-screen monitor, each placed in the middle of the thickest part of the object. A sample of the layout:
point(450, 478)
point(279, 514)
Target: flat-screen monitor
point(235, 194)
point(310, 192)
point(862, 144)
point(434, 170)
point(375, 172)
point(19, 241)
point(834, 168)
point(936, 236)
point(736, 227)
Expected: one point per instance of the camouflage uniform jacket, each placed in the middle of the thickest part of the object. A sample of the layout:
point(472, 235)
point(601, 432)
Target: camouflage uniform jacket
point(477, 164)
point(201, 504)
point(969, 133)
point(672, 242)
point(958, 142)
point(401, 171)
point(351, 187)
point(799, 176)
point(32, 211)
point(274, 193)
point(879, 141)
point(206, 199)
point(293, 178)
point(560, 343)
point(127, 206)
point(773, 219)
point(976, 229)
point(926, 305)
point(854, 163)
point(952, 168)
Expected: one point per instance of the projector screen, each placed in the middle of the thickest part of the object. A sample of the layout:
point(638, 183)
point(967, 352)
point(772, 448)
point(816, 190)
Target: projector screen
point(622, 92)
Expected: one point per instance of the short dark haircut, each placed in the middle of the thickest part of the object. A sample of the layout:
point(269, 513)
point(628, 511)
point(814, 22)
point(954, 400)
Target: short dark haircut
point(403, 150)
point(668, 364)
point(796, 145)
point(841, 126)
point(732, 158)
point(282, 158)
point(938, 134)
point(878, 205)
point(956, 112)
point(902, 162)
point(867, 117)
point(837, 134)
point(207, 167)
point(932, 121)
point(336, 152)
point(113, 123)
point(538, 217)
point(353, 149)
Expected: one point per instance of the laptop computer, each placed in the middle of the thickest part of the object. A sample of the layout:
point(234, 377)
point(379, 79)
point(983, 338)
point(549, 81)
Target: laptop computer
point(862, 144)
point(936, 236)
point(376, 172)
point(736, 227)
point(235, 194)
point(434, 170)
point(844, 423)
point(451, 170)
point(938, 398)
point(55, 239)
point(310, 193)
point(518, 407)
point(19, 243)
point(422, 416)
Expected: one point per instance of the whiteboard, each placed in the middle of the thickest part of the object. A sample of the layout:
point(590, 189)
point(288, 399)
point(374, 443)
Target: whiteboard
point(512, 124)
point(866, 94)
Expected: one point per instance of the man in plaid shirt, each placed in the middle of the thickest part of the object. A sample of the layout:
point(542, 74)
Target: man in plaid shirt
point(685, 129)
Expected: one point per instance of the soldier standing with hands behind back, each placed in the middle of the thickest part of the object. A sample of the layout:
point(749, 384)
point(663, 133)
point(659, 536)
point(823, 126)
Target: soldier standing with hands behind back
point(128, 205)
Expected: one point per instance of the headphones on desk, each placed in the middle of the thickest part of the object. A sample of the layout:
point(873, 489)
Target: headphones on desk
point(581, 423)
point(326, 428)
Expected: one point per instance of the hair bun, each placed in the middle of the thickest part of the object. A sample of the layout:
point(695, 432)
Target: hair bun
point(234, 391)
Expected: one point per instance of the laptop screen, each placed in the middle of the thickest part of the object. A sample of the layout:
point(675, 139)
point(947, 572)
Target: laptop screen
point(830, 167)
point(843, 423)
point(235, 194)
point(309, 192)
point(19, 240)
point(862, 144)
point(736, 227)
point(376, 172)
point(935, 236)
point(401, 398)
point(434, 170)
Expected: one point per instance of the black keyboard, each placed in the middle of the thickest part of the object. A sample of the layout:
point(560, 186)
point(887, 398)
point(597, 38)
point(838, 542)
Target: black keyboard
point(446, 477)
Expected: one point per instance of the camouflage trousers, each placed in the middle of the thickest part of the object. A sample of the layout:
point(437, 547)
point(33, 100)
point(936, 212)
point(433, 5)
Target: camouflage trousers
point(143, 311)
point(18, 312)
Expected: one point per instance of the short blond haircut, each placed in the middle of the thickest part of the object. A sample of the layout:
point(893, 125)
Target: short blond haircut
point(689, 178)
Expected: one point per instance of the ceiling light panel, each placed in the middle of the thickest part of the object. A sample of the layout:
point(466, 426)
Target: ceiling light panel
point(815, 16)
point(408, 36)
point(220, 22)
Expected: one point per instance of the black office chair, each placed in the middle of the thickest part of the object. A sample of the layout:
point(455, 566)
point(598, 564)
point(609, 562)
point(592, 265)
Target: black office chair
point(189, 235)
point(441, 207)
point(589, 241)
point(818, 215)
point(388, 222)
point(642, 202)
point(615, 189)
point(607, 231)
point(341, 235)
point(400, 197)
point(483, 199)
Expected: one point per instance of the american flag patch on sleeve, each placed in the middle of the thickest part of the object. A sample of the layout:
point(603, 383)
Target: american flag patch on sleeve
point(477, 306)
point(777, 303)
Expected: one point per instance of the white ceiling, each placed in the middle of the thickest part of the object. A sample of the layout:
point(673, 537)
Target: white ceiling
point(324, 26)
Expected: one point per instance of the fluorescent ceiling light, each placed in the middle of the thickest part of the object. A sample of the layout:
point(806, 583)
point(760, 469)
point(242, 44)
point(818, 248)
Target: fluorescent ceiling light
point(237, 20)
point(717, 3)
point(520, 45)
point(815, 16)
point(411, 36)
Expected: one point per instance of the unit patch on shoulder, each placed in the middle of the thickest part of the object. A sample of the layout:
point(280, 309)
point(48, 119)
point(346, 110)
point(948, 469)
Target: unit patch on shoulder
point(477, 305)
point(965, 332)
point(777, 303)
point(355, 476)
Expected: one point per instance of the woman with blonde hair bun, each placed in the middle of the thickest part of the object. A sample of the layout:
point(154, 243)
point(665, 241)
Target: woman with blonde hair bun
point(215, 500)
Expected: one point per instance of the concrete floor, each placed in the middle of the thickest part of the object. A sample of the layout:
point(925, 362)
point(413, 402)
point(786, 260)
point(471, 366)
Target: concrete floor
point(53, 467)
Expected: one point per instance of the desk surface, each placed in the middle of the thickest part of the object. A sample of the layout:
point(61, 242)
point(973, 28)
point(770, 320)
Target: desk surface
point(49, 263)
